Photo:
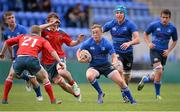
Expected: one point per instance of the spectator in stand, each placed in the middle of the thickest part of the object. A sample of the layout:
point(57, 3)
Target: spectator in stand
point(77, 16)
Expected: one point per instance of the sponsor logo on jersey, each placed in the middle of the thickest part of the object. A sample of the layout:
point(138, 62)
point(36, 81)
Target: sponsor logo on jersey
point(158, 29)
point(169, 30)
point(103, 48)
point(114, 28)
point(92, 48)
point(124, 28)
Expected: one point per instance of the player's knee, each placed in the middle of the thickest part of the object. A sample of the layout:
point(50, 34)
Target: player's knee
point(90, 77)
point(118, 66)
point(10, 77)
point(58, 80)
point(158, 68)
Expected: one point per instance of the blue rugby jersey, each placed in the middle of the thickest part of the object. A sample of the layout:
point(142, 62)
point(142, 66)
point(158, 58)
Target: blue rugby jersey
point(10, 34)
point(162, 34)
point(120, 33)
point(99, 52)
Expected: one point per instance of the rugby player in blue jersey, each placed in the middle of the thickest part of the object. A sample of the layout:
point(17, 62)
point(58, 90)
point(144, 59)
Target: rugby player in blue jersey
point(100, 48)
point(124, 34)
point(162, 31)
point(13, 30)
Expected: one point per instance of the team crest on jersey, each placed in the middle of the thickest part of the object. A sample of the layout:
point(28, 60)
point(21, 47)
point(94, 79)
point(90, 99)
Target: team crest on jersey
point(92, 48)
point(60, 37)
point(9, 36)
point(158, 29)
point(169, 30)
point(18, 33)
point(47, 36)
point(114, 28)
point(103, 48)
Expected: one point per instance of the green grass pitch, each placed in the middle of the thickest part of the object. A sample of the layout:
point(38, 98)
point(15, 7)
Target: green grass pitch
point(21, 100)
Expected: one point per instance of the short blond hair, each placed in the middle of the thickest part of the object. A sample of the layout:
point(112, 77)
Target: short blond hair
point(35, 29)
point(96, 26)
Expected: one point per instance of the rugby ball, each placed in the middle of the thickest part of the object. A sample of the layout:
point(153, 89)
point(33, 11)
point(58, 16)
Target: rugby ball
point(85, 54)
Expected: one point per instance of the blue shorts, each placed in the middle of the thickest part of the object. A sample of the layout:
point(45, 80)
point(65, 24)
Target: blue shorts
point(28, 63)
point(51, 69)
point(127, 60)
point(157, 56)
point(104, 69)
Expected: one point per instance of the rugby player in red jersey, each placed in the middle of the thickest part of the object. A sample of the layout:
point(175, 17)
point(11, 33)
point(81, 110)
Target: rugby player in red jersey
point(27, 57)
point(57, 38)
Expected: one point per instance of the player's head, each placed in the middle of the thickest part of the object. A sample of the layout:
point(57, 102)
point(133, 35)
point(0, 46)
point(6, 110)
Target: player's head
point(96, 30)
point(165, 16)
point(51, 17)
point(9, 18)
point(35, 29)
point(120, 12)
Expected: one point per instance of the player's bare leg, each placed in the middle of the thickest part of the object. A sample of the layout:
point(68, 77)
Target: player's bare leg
point(91, 75)
point(42, 74)
point(67, 75)
point(36, 87)
point(8, 85)
point(116, 77)
point(158, 68)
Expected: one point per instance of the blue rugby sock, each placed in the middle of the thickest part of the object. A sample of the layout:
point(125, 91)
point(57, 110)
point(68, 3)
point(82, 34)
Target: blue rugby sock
point(95, 84)
point(157, 86)
point(146, 79)
point(128, 94)
point(37, 90)
point(25, 77)
point(123, 94)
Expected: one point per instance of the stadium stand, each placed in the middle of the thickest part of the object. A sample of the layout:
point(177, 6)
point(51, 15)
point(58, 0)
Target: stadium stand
point(138, 11)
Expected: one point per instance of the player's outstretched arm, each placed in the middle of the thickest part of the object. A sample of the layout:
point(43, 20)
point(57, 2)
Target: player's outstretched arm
point(147, 40)
point(78, 41)
point(4, 48)
point(136, 39)
point(166, 52)
point(44, 26)
point(55, 55)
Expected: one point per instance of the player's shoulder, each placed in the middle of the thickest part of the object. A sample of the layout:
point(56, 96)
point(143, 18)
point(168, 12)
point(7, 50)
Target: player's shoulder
point(62, 31)
point(156, 22)
point(21, 27)
point(128, 20)
point(105, 40)
point(6, 31)
point(112, 22)
point(172, 25)
point(89, 40)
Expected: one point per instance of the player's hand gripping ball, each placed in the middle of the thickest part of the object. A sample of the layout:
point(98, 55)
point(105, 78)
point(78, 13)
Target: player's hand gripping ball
point(85, 56)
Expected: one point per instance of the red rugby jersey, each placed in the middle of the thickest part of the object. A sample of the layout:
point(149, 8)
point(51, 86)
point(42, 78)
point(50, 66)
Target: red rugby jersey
point(56, 39)
point(30, 45)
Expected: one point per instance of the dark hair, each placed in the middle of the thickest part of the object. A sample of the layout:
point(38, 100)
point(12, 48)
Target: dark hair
point(166, 12)
point(52, 14)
